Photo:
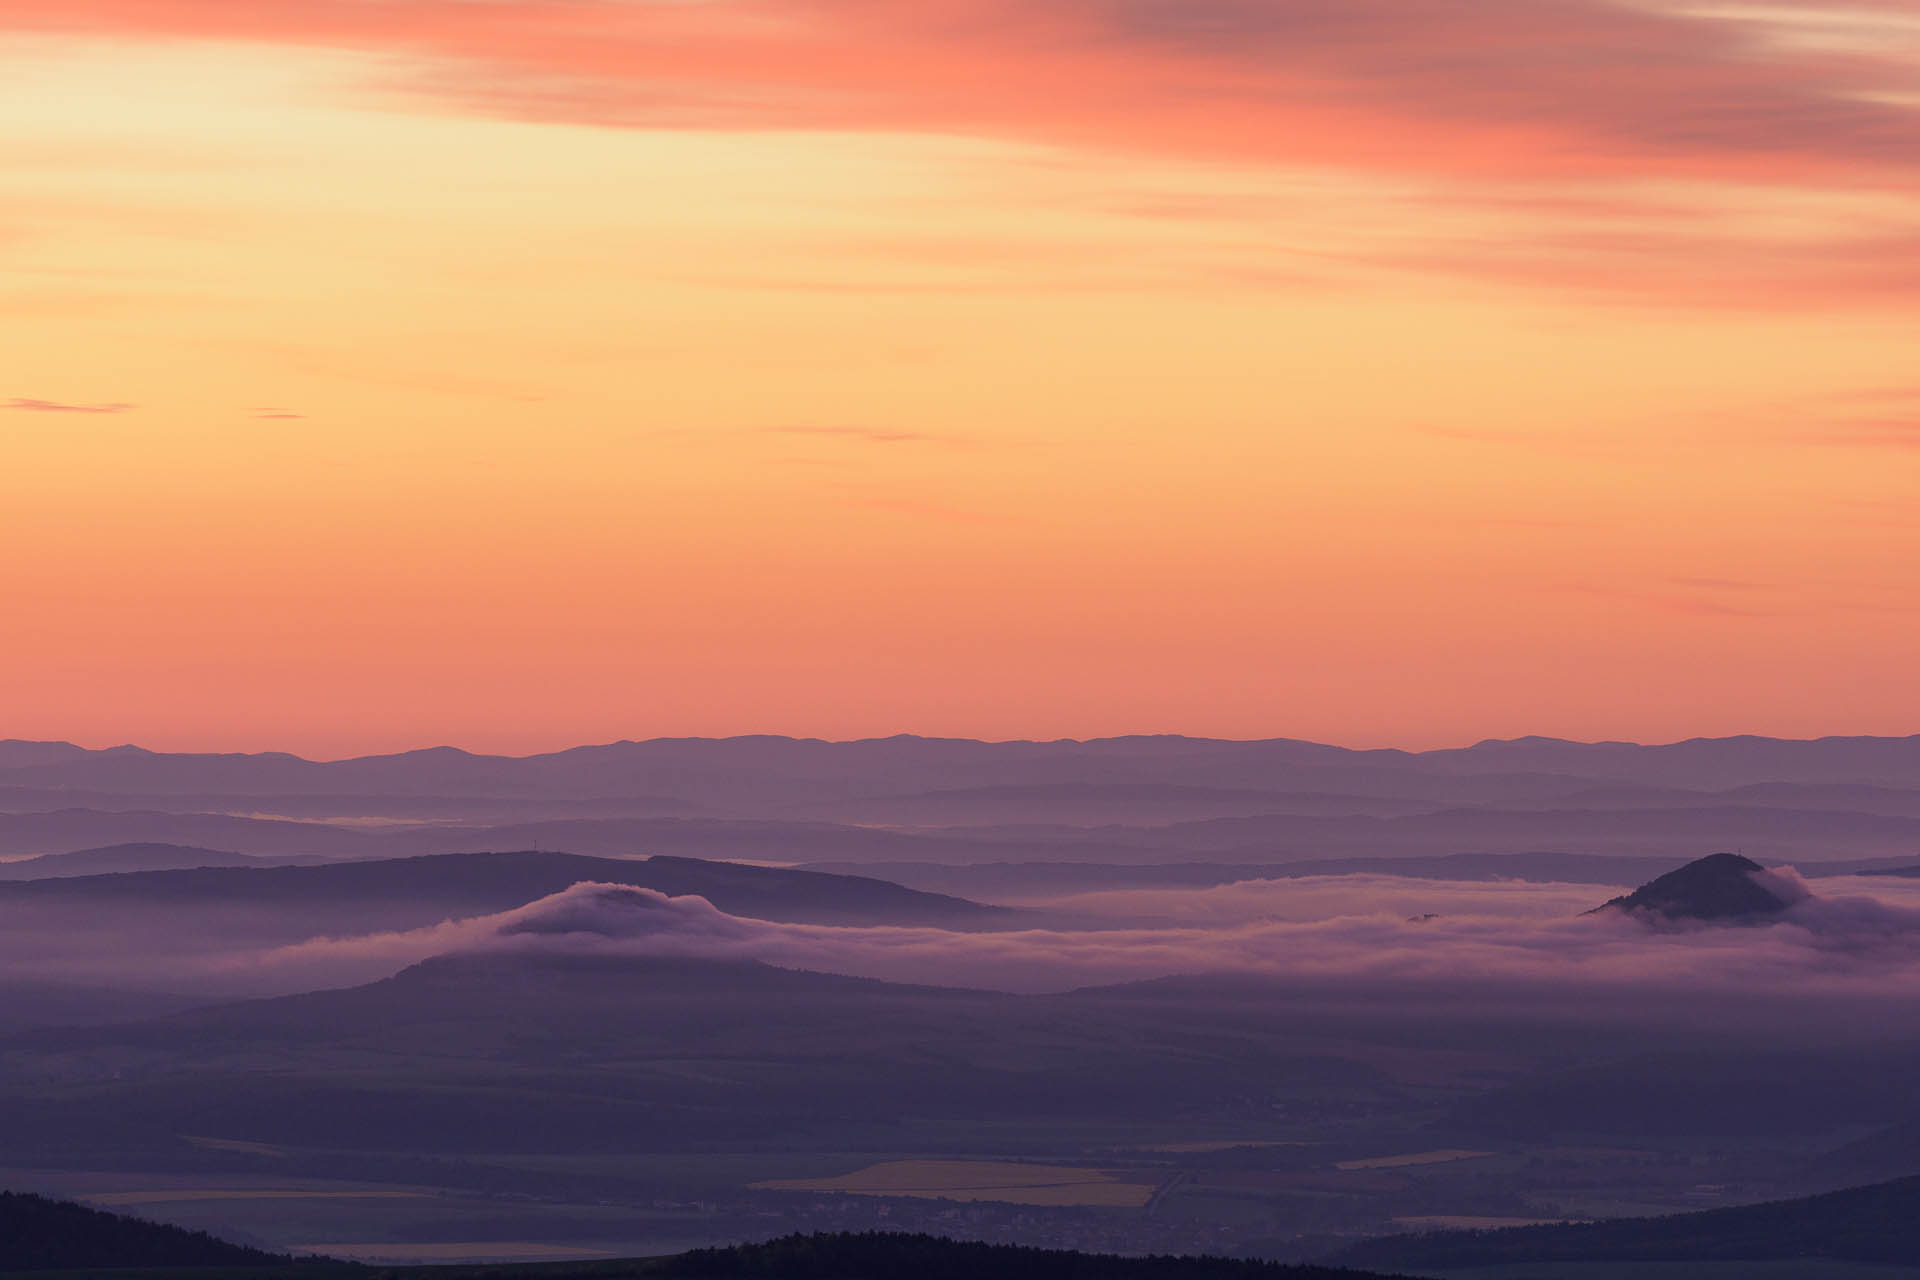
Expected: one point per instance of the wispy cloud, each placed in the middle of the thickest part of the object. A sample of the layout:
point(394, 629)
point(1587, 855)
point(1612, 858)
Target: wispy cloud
point(27, 405)
point(1699, 597)
point(1886, 417)
point(1876, 433)
point(862, 435)
point(1501, 87)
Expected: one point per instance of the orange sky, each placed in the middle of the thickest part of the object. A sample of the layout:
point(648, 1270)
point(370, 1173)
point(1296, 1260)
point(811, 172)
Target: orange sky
point(376, 373)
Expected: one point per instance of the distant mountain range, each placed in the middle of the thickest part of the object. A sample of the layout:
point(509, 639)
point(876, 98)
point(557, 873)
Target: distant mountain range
point(722, 769)
point(1122, 800)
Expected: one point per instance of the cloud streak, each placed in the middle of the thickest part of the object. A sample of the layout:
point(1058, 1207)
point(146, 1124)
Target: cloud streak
point(859, 435)
point(26, 405)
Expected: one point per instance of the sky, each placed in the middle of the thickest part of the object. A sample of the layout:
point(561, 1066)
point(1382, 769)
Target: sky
point(519, 373)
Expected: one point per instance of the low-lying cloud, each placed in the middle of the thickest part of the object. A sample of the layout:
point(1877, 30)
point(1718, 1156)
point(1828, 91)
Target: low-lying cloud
point(1841, 947)
point(1408, 950)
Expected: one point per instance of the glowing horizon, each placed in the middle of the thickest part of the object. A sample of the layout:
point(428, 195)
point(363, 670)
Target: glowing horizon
point(539, 372)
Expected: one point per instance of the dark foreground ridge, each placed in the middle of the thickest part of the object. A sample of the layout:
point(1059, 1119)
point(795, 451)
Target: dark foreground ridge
point(1721, 886)
point(38, 1234)
point(887, 1256)
point(1872, 1224)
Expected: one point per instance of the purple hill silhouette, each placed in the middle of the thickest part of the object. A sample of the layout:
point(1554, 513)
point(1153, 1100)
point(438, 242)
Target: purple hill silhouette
point(1721, 886)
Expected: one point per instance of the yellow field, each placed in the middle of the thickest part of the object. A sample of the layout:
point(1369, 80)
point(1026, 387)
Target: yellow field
point(1409, 1161)
point(467, 1251)
point(1035, 1184)
point(184, 1196)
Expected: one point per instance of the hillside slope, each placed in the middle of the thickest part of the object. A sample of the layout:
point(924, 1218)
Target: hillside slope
point(414, 892)
point(38, 1234)
point(1872, 1224)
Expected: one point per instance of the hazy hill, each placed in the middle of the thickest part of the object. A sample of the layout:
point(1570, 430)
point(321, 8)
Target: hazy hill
point(38, 1234)
point(1813, 797)
point(413, 892)
point(541, 1052)
point(996, 880)
point(531, 1006)
point(1711, 763)
point(1678, 831)
point(783, 840)
point(1745, 1091)
point(115, 859)
point(1804, 835)
point(72, 830)
point(1142, 803)
point(26, 1004)
point(1872, 1224)
point(16, 753)
point(533, 1051)
point(1720, 887)
point(1892, 1152)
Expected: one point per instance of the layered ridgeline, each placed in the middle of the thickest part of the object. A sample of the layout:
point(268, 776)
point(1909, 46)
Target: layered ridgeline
point(404, 893)
point(39, 1234)
point(1877, 1224)
point(119, 859)
point(1123, 800)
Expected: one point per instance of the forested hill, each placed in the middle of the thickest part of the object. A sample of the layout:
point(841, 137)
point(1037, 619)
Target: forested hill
point(38, 1234)
point(884, 1256)
point(49, 1235)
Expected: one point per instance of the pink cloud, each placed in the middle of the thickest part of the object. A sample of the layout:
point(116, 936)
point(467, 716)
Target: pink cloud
point(1503, 87)
point(1517, 109)
point(54, 406)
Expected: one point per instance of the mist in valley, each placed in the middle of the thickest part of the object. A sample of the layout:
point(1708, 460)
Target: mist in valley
point(1279, 1052)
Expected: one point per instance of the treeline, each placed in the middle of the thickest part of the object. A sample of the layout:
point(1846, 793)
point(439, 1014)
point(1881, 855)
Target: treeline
point(886, 1256)
point(38, 1234)
point(892, 1256)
